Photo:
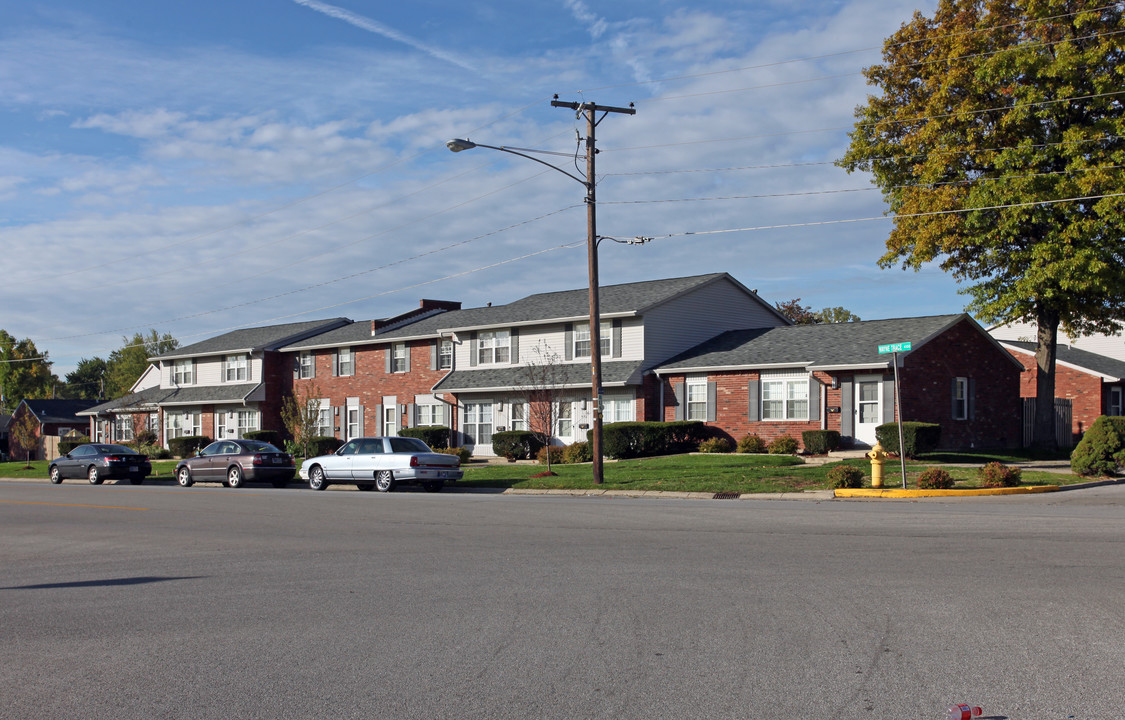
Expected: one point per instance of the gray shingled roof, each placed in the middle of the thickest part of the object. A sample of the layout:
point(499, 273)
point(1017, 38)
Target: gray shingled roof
point(195, 394)
point(270, 337)
point(143, 399)
point(57, 411)
point(1101, 364)
point(853, 344)
point(621, 299)
point(512, 378)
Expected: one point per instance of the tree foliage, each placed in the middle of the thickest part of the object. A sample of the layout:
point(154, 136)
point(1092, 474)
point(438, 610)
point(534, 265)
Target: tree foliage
point(543, 380)
point(25, 373)
point(996, 141)
point(87, 380)
point(24, 434)
point(127, 363)
point(300, 414)
point(800, 314)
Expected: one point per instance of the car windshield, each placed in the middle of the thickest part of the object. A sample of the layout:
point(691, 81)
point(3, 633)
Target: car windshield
point(260, 447)
point(408, 445)
point(108, 449)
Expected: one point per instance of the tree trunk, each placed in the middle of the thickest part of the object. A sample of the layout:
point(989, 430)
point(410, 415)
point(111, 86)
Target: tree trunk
point(1047, 340)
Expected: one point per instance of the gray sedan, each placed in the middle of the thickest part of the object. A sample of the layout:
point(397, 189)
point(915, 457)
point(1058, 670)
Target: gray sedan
point(381, 463)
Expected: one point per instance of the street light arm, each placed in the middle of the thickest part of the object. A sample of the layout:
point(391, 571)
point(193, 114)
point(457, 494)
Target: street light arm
point(457, 145)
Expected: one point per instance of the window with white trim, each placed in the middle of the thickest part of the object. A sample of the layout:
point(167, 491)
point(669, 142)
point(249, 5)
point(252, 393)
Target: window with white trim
point(429, 414)
point(354, 421)
point(960, 398)
point(324, 419)
point(519, 415)
point(183, 372)
point(494, 347)
point(183, 424)
point(1115, 401)
point(306, 365)
point(564, 419)
point(248, 421)
point(345, 362)
point(478, 423)
point(619, 408)
point(785, 396)
point(236, 369)
point(695, 389)
point(398, 358)
point(582, 339)
point(123, 428)
point(445, 355)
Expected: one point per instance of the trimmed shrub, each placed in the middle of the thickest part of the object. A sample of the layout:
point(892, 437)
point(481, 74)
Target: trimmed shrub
point(934, 479)
point(323, 445)
point(556, 455)
point(996, 475)
point(145, 437)
point(751, 444)
point(784, 445)
point(153, 452)
point(463, 453)
point(273, 437)
point(65, 446)
point(1102, 449)
point(579, 452)
point(644, 439)
point(715, 445)
point(918, 437)
point(516, 444)
point(845, 476)
point(820, 442)
point(188, 445)
point(436, 436)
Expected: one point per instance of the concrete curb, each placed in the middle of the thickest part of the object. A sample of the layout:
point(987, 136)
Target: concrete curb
point(671, 494)
point(899, 493)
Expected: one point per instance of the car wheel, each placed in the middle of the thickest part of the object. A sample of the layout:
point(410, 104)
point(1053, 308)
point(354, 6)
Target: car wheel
point(184, 477)
point(234, 477)
point(384, 480)
point(56, 475)
point(365, 487)
point(94, 476)
point(433, 486)
point(317, 481)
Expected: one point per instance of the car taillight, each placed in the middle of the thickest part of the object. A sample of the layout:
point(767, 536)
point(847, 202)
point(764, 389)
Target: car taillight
point(414, 461)
point(259, 460)
point(113, 458)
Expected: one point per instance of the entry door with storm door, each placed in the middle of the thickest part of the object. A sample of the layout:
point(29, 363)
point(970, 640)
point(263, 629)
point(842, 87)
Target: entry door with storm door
point(868, 408)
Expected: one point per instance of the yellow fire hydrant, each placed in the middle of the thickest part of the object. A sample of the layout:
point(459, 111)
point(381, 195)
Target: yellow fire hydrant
point(878, 456)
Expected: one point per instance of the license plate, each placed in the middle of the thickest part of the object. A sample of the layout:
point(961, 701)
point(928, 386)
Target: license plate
point(133, 468)
point(277, 461)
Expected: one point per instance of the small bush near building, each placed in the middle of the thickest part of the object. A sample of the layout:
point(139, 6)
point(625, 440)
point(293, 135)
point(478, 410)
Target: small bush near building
point(323, 445)
point(994, 475)
point(65, 446)
point(463, 453)
point(273, 437)
point(934, 479)
point(1102, 448)
point(556, 455)
point(784, 445)
point(153, 452)
point(820, 442)
point(188, 445)
point(645, 439)
point(516, 444)
point(845, 476)
point(917, 437)
point(715, 445)
point(751, 444)
point(436, 436)
point(145, 437)
point(579, 452)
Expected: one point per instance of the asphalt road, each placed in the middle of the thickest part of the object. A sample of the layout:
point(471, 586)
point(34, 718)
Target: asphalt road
point(123, 602)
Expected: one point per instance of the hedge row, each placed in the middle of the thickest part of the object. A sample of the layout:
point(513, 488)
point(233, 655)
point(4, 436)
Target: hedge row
point(917, 437)
point(436, 436)
point(644, 439)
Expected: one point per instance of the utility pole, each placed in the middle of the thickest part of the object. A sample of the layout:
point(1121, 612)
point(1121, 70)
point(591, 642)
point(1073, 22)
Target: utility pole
point(590, 112)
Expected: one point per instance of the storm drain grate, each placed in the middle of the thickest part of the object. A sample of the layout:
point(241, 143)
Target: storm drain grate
point(726, 496)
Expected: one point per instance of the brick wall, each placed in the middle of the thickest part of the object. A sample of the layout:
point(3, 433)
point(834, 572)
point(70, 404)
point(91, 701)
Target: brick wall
point(1087, 393)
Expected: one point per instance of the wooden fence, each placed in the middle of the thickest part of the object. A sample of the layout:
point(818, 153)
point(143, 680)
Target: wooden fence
point(1063, 418)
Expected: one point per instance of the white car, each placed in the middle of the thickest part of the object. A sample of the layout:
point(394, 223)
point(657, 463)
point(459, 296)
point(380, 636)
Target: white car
point(382, 462)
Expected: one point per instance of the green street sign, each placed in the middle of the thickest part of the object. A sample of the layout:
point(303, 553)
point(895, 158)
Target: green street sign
point(896, 347)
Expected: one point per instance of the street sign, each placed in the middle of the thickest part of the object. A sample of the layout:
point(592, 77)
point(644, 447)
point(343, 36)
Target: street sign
point(893, 348)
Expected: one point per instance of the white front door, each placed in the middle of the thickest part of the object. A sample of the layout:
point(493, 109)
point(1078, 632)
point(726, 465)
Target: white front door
point(868, 409)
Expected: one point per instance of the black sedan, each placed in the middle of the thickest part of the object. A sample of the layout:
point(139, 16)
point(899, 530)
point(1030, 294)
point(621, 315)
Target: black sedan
point(233, 462)
point(97, 462)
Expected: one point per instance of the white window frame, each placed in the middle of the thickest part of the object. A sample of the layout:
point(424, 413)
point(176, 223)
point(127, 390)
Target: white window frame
point(479, 415)
point(247, 421)
point(1116, 401)
point(494, 347)
point(695, 397)
point(429, 414)
point(564, 419)
point(618, 408)
point(519, 415)
point(183, 424)
point(306, 366)
point(324, 425)
point(183, 372)
point(960, 398)
point(581, 347)
point(398, 357)
point(345, 362)
point(236, 368)
point(784, 397)
point(123, 428)
point(445, 355)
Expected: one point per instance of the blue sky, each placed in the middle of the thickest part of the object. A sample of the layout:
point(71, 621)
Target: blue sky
point(198, 167)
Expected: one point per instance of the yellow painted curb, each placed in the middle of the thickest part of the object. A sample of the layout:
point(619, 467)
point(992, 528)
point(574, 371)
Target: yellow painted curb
point(900, 493)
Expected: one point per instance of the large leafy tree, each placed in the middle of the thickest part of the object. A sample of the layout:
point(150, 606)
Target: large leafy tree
point(997, 141)
point(87, 380)
point(127, 363)
point(25, 373)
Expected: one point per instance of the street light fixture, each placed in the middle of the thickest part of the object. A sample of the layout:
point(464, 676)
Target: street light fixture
point(590, 110)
